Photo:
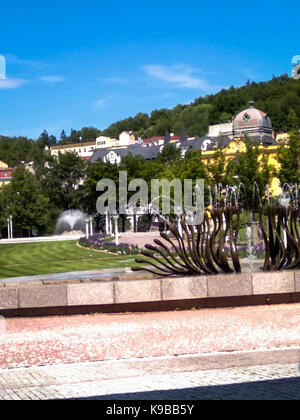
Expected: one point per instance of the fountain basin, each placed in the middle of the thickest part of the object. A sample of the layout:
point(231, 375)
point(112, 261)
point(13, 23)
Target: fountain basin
point(121, 291)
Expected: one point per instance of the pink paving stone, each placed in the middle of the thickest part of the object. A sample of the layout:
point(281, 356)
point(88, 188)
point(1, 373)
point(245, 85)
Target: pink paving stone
point(69, 339)
point(139, 239)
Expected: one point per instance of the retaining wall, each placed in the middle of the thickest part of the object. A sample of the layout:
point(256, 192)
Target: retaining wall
point(144, 292)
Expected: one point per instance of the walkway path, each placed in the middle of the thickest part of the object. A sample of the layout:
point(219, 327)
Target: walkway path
point(168, 378)
point(139, 239)
point(69, 339)
point(87, 356)
point(40, 239)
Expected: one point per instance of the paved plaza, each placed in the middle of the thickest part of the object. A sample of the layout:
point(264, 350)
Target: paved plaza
point(150, 379)
point(229, 353)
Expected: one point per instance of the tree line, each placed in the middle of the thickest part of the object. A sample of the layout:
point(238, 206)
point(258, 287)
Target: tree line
point(35, 200)
point(279, 98)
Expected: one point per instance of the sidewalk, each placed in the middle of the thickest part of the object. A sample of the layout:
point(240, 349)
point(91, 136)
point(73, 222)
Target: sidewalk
point(168, 355)
point(98, 337)
point(40, 239)
point(161, 379)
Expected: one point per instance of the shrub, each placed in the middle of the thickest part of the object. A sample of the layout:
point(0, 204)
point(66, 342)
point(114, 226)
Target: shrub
point(107, 244)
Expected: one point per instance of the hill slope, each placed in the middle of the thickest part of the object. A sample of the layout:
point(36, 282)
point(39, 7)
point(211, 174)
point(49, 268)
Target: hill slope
point(279, 97)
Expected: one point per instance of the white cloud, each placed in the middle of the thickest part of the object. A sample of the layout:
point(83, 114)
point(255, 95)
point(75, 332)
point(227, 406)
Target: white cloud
point(13, 59)
point(101, 103)
point(180, 76)
point(52, 79)
point(12, 83)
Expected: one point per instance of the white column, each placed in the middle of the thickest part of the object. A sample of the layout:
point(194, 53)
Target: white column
point(8, 228)
point(116, 229)
point(87, 228)
point(91, 227)
point(132, 223)
point(11, 228)
point(107, 224)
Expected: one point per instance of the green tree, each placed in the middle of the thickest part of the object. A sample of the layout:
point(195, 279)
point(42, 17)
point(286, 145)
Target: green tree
point(15, 150)
point(169, 154)
point(217, 167)
point(292, 121)
point(26, 201)
point(63, 135)
point(248, 170)
point(88, 192)
point(61, 178)
point(289, 159)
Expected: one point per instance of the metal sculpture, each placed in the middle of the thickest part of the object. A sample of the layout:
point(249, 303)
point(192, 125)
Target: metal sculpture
point(282, 238)
point(202, 250)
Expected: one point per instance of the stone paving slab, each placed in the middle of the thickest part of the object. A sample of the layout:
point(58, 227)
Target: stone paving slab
point(168, 378)
point(69, 339)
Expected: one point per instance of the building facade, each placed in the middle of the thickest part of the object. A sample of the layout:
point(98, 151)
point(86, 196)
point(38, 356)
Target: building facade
point(296, 72)
point(252, 124)
point(5, 174)
point(83, 150)
point(86, 150)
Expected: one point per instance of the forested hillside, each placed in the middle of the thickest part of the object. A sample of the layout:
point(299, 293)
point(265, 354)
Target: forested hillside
point(280, 98)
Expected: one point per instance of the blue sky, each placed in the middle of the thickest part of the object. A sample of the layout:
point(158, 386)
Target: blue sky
point(90, 63)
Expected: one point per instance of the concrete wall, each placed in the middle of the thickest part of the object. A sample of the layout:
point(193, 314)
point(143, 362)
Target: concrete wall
point(138, 289)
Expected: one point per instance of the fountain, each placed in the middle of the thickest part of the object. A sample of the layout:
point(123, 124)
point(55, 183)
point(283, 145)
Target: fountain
point(71, 221)
point(250, 253)
point(213, 247)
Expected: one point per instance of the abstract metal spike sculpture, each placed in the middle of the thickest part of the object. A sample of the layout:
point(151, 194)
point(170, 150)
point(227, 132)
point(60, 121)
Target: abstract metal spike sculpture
point(202, 251)
point(282, 238)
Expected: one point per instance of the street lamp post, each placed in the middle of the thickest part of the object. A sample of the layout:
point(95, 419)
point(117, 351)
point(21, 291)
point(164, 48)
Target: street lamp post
point(8, 228)
point(11, 227)
point(87, 221)
point(91, 227)
point(110, 228)
point(116, 218)
point(107, 231)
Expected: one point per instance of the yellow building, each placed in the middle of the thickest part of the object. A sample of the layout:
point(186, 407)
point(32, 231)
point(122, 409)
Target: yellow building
point(256, 126)
point(237, 146)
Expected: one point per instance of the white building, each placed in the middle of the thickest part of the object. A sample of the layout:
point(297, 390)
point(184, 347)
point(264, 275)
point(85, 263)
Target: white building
point(296, 72)
point(126, 138)
point(83, 150)
point(221, 130)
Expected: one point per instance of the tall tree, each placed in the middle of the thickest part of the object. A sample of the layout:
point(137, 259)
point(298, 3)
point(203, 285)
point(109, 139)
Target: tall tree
point(61, 179)
point(63, 135)
point(289, 159)
point(26, 201)
point(247, 169)
point(170, 153)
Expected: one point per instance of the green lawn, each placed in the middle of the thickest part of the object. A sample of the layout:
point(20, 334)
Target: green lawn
point(18, 260)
